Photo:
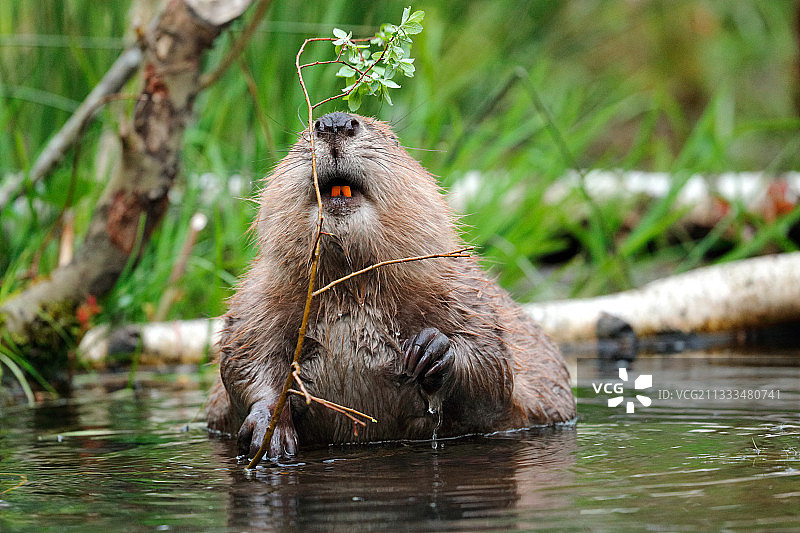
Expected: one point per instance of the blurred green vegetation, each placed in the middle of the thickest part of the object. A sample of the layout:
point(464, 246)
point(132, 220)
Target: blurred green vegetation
point(520, 92)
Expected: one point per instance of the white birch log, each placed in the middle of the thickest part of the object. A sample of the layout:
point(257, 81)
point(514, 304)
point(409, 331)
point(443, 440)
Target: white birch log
point(747, 293)
point(700, 194)
point(176, 342)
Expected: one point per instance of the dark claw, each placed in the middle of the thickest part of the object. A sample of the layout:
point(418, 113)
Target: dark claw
point(428, 358)
point(416, 349)
point(436, 349)
point(443, 364)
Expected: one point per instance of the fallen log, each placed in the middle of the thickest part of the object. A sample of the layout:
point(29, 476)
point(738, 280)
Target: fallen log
point(731, 297)
point(176, 342)
point(738, 295)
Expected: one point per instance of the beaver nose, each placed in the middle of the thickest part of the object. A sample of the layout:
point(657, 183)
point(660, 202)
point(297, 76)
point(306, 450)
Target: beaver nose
point(337, 122)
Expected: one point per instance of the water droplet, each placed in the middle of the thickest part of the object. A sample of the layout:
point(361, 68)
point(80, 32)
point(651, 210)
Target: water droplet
point(435, 409)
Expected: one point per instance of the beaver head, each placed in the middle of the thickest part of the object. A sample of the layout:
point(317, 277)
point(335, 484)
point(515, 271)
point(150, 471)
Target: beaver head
point(378, 202)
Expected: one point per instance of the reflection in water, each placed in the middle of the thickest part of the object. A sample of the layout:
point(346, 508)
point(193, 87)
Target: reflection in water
point(132, 460)
point(462, 483)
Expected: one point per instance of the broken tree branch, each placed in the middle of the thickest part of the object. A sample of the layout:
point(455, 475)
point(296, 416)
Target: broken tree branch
point(120, 72)
point(135, 198)
point(341, 409)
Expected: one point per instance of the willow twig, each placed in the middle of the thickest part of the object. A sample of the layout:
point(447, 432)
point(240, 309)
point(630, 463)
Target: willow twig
point(294, 375)
point(273, 422)
point(279, 406)
point(339, 60)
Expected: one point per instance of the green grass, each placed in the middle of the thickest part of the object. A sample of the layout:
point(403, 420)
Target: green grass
point(519, 94)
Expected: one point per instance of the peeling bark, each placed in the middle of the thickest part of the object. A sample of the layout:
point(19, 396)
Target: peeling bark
point(135, 198)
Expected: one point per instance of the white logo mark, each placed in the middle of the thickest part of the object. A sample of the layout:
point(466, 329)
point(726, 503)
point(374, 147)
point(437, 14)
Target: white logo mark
point(644, 381)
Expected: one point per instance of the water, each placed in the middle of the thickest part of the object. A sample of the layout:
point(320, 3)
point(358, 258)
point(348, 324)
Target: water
point(136, 461)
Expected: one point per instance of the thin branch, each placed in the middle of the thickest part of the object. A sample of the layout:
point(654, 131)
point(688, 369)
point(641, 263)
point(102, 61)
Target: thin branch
point(454, 253)
point(330, 62)
point(119, 73)
point(279, 406)
point(346, 411)
point(363, 75)
point(296, 375)
point(325, 101)
point(238, 47)
point(337, 60)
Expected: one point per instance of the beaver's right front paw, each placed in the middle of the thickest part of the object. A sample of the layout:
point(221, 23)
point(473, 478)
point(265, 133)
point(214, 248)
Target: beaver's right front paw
point(254, 427)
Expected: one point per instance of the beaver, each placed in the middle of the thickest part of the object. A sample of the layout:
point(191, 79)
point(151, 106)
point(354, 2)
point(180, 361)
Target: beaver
point(426, 347)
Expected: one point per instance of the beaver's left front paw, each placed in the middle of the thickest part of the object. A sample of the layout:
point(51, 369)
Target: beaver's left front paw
point(428, 358)
point(254, 428)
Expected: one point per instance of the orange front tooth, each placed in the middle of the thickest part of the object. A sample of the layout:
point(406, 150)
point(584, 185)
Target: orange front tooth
point(336, 190)
point(346, 191)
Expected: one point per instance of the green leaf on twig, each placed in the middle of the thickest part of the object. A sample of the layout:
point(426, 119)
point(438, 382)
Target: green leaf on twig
point(370, 72)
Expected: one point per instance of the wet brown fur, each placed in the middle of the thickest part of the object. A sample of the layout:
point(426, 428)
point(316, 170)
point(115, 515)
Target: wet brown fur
point(506, 372)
